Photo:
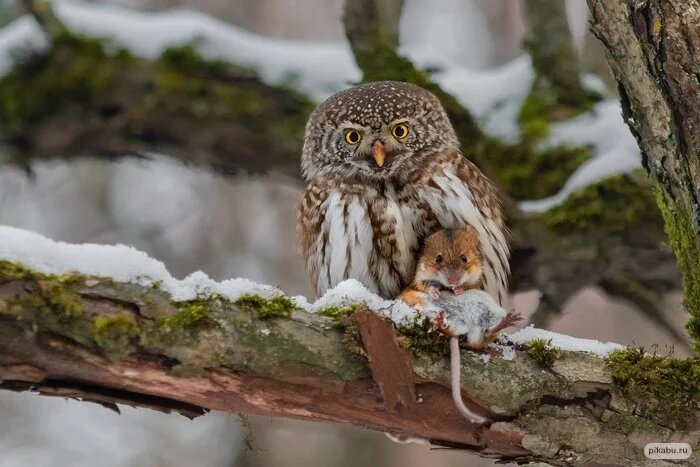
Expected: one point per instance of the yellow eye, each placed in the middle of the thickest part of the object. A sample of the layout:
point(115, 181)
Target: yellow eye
point(352, 136)
point(400, 131)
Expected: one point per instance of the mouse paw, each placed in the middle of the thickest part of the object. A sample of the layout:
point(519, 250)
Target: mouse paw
point(511, 318)
point(434, 293)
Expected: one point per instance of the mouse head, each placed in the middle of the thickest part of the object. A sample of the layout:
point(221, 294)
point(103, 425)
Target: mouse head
point(451, 260)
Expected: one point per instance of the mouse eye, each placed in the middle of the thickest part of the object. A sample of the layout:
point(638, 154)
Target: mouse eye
point(438, 259)
point(464, 258)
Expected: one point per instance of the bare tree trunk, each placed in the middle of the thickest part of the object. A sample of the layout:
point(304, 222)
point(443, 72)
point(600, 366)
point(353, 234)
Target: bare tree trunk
point(653, 48)
point(109, 342)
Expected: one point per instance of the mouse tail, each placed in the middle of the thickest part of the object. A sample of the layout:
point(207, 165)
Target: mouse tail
point(457, 386)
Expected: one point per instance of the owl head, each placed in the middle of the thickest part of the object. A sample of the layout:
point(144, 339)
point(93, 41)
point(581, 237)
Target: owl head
point(375, 131)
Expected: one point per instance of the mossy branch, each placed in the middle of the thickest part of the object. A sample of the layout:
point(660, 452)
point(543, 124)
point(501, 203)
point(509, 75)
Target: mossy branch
point(96, 339)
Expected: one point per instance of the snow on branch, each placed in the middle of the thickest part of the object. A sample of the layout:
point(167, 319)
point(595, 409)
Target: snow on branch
point(111, 325)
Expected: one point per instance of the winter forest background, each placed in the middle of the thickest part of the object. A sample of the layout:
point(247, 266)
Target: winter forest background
point(586, 187)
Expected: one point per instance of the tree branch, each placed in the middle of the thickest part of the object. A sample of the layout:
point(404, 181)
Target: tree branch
point(110, 342)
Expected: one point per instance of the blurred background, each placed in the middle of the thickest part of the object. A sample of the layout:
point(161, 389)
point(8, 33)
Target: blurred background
point(175, 126)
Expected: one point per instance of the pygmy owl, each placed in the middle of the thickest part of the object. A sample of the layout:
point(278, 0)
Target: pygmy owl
point(383, 171)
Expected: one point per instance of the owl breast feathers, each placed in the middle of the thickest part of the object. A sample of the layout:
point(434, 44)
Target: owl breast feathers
point(384, 170)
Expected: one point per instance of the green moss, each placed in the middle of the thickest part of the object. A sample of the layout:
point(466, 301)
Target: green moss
point(60, 298)
point(421, 336)
point(116, 334)
point(73, 73)
point(686, 246)
point(14, 271)
point(627, 423)
point(275, 307)
point(616, 202)
point(53, 293)
point(187, 59)
point(542, 351)
point(189, 314)
point(519, 164)
point(337, 313)
point(181, 326)
point(544, 105)
point(667, 390)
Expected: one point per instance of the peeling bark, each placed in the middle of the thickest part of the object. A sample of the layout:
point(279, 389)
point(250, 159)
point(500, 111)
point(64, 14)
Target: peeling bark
point(224, 356)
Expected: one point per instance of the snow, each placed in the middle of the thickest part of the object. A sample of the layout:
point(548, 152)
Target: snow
point(120, 262)
point(615, 150)
point(564, 342)
point(493, 95)
point(351, 292)
point(318, 69)
point(23, 33)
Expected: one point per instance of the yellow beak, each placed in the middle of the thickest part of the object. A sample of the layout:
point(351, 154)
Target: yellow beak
point(378, 153)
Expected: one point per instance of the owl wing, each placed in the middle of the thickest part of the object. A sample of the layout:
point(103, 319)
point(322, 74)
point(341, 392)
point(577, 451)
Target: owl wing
point(457, 194)
point(334, 226)
point(310, 217)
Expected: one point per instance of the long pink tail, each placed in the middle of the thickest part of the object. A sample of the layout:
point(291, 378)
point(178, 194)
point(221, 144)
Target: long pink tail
point(457, 385)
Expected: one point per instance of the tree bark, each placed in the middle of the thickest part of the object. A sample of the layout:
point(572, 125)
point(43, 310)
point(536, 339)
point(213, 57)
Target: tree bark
point(115, 343)
point(653, 48)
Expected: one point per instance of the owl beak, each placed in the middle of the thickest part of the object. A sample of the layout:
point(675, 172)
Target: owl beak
point(378, 153)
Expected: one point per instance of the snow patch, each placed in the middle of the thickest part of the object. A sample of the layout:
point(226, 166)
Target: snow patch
point(317, 68)
point(351, 292)
point(615, 150)
point(23, 33)
point(120, 262)
point(564, 342)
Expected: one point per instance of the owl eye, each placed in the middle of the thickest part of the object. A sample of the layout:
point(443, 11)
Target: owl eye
point(438, 259)
point(464, 258)
point(400, 131)
point(352, 137)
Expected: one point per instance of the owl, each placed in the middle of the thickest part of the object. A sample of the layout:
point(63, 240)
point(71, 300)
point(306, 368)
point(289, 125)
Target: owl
point(383, 171)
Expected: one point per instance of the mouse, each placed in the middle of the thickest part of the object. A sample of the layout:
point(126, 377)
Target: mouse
point(447, 287)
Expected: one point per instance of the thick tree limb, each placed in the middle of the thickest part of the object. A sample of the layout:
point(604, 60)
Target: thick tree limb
point(653, 48)
point(109, 342)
